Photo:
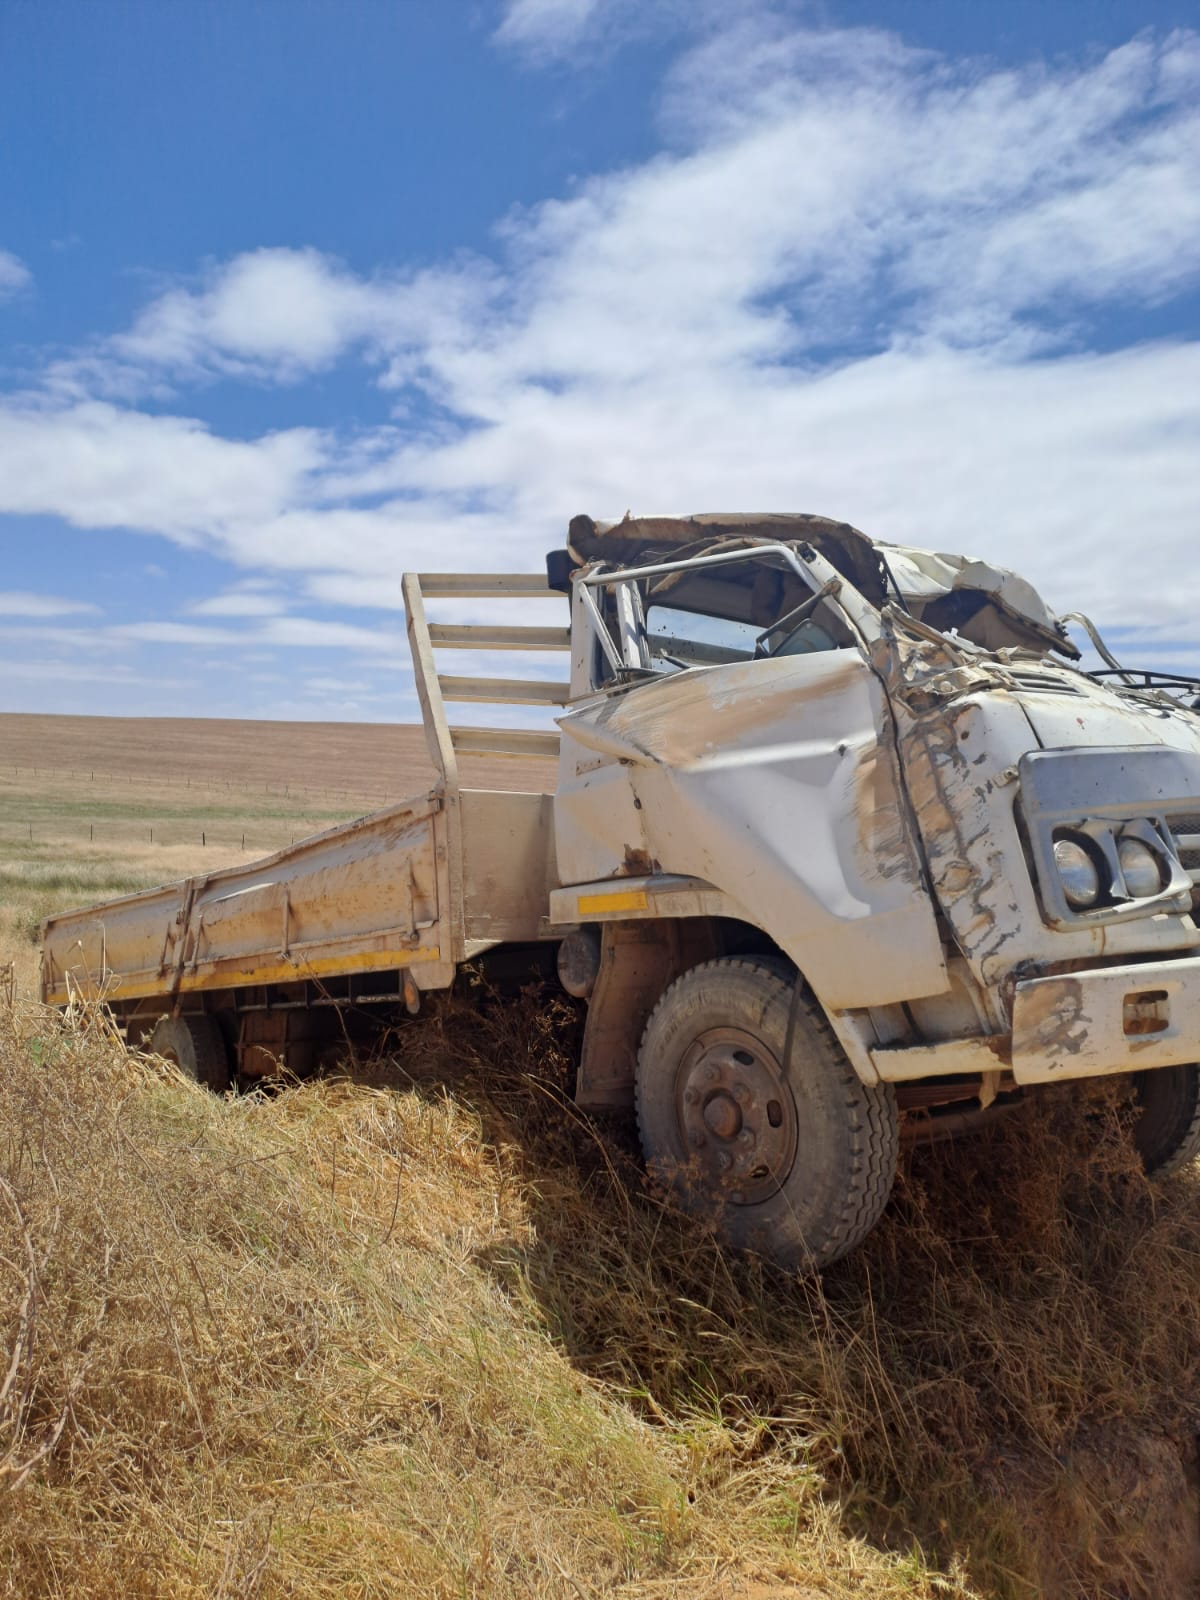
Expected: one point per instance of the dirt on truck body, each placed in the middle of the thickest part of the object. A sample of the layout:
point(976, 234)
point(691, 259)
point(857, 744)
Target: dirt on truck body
point(843, 840)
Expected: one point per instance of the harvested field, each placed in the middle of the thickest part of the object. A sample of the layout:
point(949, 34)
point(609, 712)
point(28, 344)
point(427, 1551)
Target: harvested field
point(358, 761)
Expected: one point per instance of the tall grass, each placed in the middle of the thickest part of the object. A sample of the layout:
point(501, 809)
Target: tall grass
point(425, 1331)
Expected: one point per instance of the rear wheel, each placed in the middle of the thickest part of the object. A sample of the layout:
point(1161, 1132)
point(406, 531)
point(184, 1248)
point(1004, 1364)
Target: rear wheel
point(750, 1112)
point(196, 1046)
point(1166, 1129)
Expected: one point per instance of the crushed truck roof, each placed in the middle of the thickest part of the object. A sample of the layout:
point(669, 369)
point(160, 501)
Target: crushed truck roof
point(985, 604)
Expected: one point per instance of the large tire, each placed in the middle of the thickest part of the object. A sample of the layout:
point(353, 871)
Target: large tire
point(792, 1158)
point(196, 1046)
point(1166, 1129)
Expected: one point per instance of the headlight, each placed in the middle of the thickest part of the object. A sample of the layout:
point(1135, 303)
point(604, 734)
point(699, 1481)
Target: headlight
point(1079, 873)
point(1139, 867)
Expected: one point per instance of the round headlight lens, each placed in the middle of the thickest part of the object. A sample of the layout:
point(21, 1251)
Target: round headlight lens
point(1140, 868)
point(1079, 874)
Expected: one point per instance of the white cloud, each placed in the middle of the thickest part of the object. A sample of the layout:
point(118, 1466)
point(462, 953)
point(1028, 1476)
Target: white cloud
point(173, 633)
point(14, 275)
point(547, 32)
point(254, 631)
point(21, 603)
point(547, 25)
point(858, 279)
point(270, 314)
point(826, 187)
point(251, 598)
point(305, 633)
point(101, 466)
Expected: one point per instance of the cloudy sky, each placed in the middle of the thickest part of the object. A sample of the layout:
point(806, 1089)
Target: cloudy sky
point(298, 294)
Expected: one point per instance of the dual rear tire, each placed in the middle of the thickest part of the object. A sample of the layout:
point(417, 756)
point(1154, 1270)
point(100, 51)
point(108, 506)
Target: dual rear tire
point(196, 1045)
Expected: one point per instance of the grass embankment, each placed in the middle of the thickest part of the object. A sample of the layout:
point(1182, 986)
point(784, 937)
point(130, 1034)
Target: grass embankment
point(425, 1334)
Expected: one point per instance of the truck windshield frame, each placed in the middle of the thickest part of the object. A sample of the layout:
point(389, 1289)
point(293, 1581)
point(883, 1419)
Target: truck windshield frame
point(629, 654)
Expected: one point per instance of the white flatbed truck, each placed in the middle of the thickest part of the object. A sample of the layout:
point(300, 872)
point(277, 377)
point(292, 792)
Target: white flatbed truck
point(833, 837)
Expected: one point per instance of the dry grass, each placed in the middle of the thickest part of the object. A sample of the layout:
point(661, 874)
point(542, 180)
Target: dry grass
point(425, 1333)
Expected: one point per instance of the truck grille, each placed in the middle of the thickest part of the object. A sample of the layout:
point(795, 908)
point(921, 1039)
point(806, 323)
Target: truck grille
point(1035, 682)
point(1185, 830)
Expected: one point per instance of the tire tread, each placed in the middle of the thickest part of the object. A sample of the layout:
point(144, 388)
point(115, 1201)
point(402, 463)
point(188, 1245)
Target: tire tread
point(874, 1148)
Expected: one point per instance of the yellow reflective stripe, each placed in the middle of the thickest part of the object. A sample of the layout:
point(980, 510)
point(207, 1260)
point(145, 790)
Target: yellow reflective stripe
point(277, 972)
point(618, 900)
point(291, 971)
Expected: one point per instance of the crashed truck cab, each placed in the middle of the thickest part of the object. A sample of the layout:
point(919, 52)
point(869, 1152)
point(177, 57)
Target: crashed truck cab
point(841, 843)
point(868, 792)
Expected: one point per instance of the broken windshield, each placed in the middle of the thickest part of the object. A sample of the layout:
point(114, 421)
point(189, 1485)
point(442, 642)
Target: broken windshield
point(679, 638)
point(723, 607)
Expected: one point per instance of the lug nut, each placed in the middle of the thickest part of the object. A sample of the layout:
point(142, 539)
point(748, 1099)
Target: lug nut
point(741, 1094)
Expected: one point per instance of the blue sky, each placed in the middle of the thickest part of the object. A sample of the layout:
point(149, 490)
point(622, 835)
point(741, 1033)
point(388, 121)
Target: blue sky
point(298, 294)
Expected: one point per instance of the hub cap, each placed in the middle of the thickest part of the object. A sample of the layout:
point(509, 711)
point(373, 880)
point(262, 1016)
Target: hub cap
point(736, 1115)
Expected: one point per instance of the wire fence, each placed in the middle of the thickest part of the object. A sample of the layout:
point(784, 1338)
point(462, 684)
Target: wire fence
point(200, 834)
point(280, 789)
point(80, 806)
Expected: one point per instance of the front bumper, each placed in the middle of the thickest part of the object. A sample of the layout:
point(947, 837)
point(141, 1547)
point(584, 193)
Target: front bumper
point(1114, 1019)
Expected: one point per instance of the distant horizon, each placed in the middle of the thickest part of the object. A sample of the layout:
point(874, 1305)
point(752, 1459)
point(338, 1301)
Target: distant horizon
point(158, 716)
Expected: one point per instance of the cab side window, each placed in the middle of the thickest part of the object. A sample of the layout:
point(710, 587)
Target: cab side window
point(689, 639)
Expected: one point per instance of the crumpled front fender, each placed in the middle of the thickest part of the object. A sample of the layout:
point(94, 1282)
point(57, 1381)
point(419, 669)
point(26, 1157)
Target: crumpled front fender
point(776, 782)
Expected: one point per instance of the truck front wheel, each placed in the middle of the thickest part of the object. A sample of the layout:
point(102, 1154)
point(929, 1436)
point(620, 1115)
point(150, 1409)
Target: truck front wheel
point(1166, 1129)
point(196, 1046)
point(751, 1114)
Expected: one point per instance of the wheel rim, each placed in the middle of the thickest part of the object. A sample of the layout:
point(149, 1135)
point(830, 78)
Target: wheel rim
point(736, 1115)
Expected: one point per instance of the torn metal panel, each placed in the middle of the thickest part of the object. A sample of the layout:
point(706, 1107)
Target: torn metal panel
point(773, 781)
point(965, 722)
point(988, 605)
point(903, 1063)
